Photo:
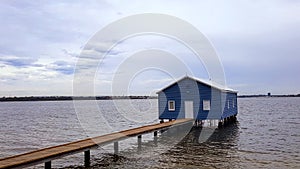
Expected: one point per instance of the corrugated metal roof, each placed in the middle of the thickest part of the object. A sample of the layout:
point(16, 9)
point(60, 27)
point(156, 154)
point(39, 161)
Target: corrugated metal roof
point(207, 82)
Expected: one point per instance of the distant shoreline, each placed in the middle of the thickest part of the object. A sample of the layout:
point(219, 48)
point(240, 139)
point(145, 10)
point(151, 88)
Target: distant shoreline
point(66, 98)
point(69, 98)
point(261, 95)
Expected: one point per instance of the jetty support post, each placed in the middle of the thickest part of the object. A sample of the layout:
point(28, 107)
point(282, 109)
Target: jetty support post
point(87, 158)
point(139, 142)
point(155, 137)
point(116, 147)
point(48, 165)
point(221, 123)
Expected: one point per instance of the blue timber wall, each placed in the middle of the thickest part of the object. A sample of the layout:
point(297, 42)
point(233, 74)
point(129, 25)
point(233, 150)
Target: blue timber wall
point(223, 104)
point(229, 106)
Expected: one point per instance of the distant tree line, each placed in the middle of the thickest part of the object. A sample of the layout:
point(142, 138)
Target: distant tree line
point(65, 98)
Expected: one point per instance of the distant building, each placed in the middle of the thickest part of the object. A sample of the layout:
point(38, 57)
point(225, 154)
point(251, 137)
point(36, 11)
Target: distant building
point(197, 99)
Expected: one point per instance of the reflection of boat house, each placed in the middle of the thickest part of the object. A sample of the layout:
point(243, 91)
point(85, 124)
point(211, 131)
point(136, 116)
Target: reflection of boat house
point(197, 99)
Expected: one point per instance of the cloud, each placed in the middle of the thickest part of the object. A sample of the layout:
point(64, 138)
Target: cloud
point(16, 61)
point(71, 54)
point(31, 63)
point(62, 67)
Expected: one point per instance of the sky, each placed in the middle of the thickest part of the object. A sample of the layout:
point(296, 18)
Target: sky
point(257, 42)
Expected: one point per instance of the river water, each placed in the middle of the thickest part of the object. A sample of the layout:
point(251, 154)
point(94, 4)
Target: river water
point(267, 134)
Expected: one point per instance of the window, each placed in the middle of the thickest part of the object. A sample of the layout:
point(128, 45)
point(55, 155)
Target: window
point(206, 104)
point(171, 105)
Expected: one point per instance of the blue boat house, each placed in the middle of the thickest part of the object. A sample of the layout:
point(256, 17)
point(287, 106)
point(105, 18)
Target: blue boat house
point(206, 102)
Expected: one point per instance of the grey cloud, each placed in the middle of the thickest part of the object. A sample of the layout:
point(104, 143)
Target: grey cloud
point(17, 61)
point(66, 52)
point(61, 67)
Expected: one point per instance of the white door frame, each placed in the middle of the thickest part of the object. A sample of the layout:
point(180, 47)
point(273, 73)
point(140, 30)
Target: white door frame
point(189, 109)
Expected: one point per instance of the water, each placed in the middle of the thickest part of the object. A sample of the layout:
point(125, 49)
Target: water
point(265, 136)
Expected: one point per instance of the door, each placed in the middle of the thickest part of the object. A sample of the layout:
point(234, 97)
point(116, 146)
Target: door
point(188, 109)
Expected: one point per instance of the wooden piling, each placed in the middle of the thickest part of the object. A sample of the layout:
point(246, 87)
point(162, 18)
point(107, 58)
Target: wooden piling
point(87, 158)
point(155, 133)
point(116, 147)
point(48, 165)
point(139, 142)
point(155, 137)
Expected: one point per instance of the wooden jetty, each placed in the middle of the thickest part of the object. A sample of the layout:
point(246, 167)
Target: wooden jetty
point(46, 155)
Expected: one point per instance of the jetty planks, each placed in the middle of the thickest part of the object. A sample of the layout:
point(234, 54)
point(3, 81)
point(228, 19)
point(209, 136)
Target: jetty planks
point(51, 153)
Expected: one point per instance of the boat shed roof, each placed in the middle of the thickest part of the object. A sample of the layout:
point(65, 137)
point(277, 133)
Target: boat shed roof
point(207, 82)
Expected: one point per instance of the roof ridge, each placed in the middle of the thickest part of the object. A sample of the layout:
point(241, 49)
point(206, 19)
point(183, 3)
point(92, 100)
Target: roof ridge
point(209, 83)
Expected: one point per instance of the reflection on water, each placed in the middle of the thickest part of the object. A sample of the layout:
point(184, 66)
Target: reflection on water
point(218, 151)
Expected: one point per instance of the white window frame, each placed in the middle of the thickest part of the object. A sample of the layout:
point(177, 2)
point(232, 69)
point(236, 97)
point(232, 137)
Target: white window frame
point(233, 103)
point(169, 105)
point(206, 105)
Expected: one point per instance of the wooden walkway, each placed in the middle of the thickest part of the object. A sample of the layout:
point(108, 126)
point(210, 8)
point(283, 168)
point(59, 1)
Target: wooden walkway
point(46, 155)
